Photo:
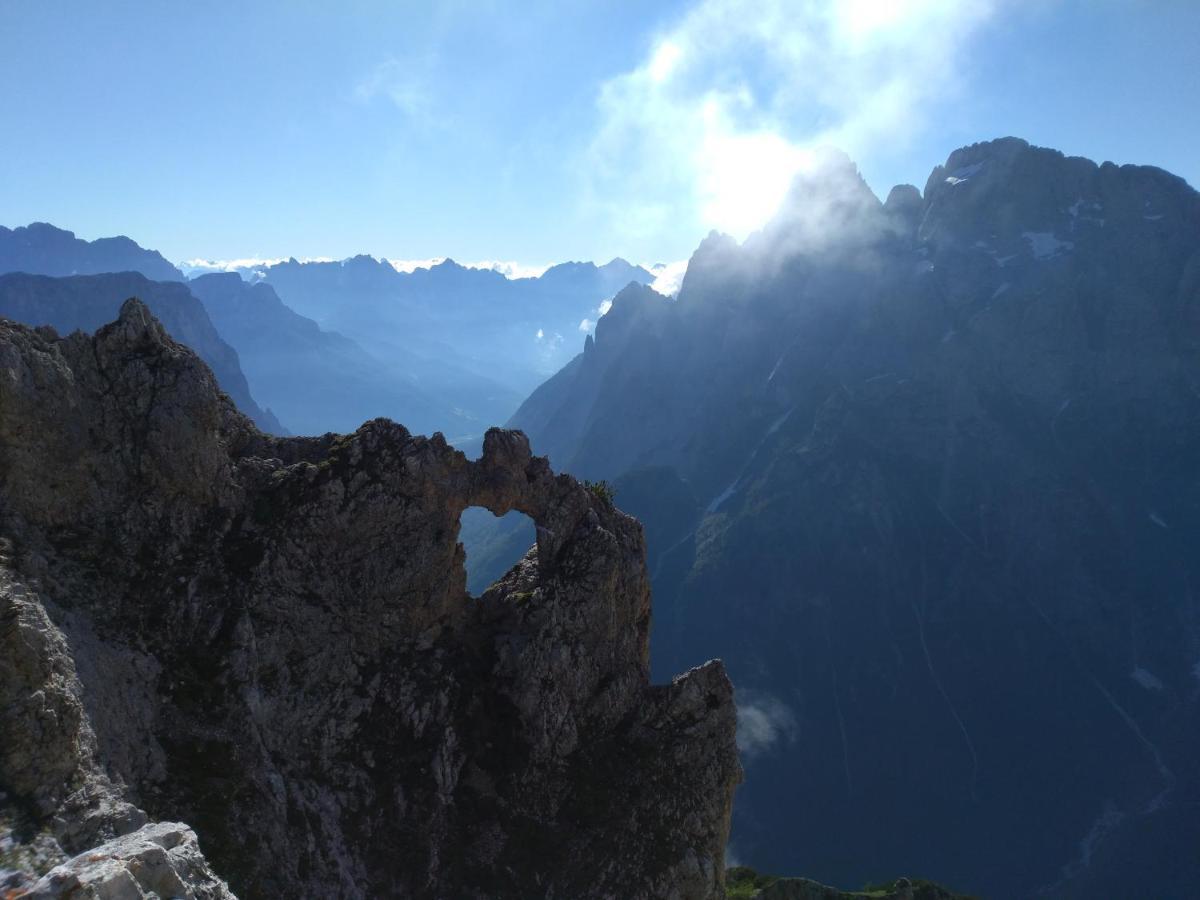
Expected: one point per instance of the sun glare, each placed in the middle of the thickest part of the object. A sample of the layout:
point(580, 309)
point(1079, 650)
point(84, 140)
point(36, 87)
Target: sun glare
point(665, 60)
point(745, 177)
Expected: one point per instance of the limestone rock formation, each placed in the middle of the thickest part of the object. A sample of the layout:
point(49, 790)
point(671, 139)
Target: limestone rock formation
point(270, 640)
point(923, 473)
point(88, 301)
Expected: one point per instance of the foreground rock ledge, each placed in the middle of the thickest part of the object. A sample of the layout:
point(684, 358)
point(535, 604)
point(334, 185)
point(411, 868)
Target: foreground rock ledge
point(270, 640)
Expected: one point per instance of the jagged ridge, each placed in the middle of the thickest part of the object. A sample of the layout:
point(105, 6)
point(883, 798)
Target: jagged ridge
point(270, 639)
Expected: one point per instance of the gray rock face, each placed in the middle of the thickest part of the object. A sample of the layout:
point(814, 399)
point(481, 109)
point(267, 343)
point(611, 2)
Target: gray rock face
point(270, 639)
point(944, 453)
point(88, 301)
point(159, 860)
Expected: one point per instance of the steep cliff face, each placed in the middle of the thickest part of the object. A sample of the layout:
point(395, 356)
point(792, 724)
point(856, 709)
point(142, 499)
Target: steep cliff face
point(270, 640)
point(943, 453)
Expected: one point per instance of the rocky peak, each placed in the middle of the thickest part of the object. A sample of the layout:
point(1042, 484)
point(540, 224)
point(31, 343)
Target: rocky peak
point(828, 208)
point(903, 207)
point(42, 249)
point(270, 639)
point(1007, 188)
point(87, 302)
point(908, 471)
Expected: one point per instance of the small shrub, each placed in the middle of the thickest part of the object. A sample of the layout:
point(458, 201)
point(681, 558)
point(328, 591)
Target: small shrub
point(602, 490)
point(742, 882)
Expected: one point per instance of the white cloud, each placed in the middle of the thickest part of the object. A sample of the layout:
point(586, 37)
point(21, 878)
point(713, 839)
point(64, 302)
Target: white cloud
point(548, 351)
point(250, 267)
point(226, 265)
point(668, 277)
point(247, 265)
point(664, 61)
point(586, 326)
point(508, 268)
point(730, 102)
point(408, 266)
point(403, 83)
point(604, 307)
point(550, 340)
point(763, 722)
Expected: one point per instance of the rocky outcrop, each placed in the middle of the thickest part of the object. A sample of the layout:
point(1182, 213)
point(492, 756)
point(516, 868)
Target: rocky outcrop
point(88, 301)
point(159, 860)
point(58, 799)
point(270, 640)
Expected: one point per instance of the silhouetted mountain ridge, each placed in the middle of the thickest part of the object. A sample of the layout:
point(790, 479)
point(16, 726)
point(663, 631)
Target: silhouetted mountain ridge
point(474, 337)
point(87, 302)
point(317, 380)
point(42, 249)
point(943, 454)
point(448, 348)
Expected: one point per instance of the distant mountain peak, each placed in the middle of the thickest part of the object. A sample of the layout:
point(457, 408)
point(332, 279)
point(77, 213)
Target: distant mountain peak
point(44, 249)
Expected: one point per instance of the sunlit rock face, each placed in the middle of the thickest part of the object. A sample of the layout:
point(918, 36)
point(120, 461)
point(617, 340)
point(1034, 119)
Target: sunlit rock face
point(924, 475)
point(270, 640)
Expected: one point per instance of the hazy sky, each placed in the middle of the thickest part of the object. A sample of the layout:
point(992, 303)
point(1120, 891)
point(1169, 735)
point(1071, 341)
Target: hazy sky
point(541, 132)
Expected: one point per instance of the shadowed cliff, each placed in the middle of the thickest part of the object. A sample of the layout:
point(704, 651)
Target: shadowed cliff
point(270, 639)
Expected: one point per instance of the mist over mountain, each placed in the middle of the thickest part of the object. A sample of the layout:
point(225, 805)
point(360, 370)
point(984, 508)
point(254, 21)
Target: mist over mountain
point(316, 380)
point(472, 337)
point(448, 348)
point(924, 474)
point(921, 471)
point(600, 451)
point(86, 302)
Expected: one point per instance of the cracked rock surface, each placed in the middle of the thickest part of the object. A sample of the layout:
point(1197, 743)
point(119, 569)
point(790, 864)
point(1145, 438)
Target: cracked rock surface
point(270, 639)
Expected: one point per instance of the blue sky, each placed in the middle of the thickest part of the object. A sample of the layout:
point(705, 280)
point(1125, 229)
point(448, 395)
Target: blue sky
point(542, 132)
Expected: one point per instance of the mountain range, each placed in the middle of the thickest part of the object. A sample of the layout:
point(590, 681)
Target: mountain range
point(328, 345)
point(473, 340)
point(85, 302)
point(924, 474)
point(42, 249)
point(921, 471)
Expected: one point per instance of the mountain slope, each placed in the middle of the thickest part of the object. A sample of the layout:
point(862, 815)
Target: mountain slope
point(270, 638)
point(42, 249)
point(449, 348)
point(943, 453)
point(317, 380)
point(473, 339)
point(85, 302)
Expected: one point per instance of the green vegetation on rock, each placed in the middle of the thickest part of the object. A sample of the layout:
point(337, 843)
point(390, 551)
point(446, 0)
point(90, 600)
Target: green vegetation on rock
point(744, 882)
point(602, 490)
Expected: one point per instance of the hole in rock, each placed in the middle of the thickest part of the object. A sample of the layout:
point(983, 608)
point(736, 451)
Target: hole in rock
point(494, 544)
